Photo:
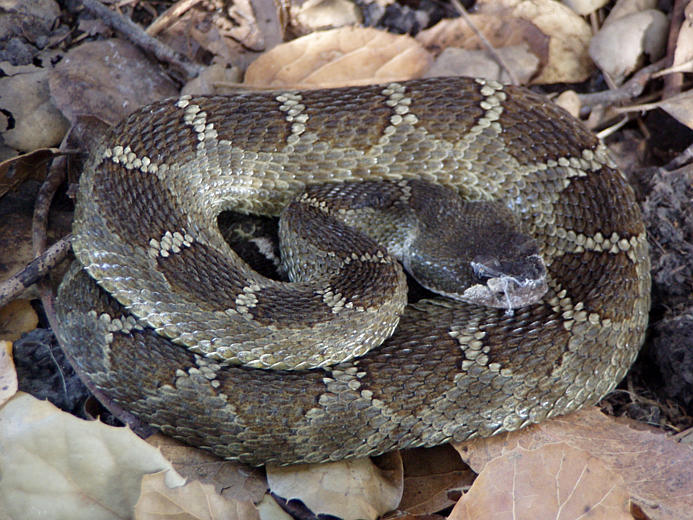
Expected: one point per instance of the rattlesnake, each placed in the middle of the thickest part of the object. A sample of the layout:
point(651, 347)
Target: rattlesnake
point(451, 371)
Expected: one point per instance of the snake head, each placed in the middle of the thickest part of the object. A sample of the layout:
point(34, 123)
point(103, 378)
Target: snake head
point(480, 256)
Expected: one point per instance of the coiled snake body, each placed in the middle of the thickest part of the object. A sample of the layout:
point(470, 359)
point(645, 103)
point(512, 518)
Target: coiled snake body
point(451, 371)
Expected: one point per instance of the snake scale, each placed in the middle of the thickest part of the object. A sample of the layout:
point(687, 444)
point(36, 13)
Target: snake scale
point(450, 371)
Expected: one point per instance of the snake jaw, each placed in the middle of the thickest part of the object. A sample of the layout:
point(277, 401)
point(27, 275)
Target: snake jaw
point(508, 286)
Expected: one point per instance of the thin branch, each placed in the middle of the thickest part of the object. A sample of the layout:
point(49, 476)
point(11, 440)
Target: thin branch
point(680, 160)
point(686, 66)
point(612, 129)
point(34, 271)
point(139, 37)
point(629, 90)
point(673, 82)
point(170, 15)
point(42, 206)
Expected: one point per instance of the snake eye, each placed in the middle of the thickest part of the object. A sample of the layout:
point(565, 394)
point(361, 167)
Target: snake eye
point(526, 248)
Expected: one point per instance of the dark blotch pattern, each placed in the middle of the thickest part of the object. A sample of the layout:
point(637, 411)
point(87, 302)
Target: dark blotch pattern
point(136, 200)
point(204, 272)
point(599, 202)
point(536, 130)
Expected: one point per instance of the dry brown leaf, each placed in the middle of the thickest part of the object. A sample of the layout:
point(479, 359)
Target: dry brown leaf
point(501, 32)
point(555, 481)
point(345, 56)
point(626, 7)
point(107, 79)
point(233, 32)
point(178, 28)
point(351, 489)
point(15, 170)
point(479, 64)
point(583, 7)
point(429, 474)
point(64, 467)
point(270, 510)
point(569, 101)
point(619, 47)
point(31, 20)
point(557, 36)
point(37, 123)
point(657, 470)
point(232, 480)
point(16, 318)
point(312, 15)
point(568, 58)
point(192, 501)
point(8, 374)
point(241, 25)
point(680, 107)
point(215, 79)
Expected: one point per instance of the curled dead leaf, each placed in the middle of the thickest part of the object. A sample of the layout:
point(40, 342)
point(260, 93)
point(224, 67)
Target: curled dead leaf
point(16, 318)
point(619, 47)
point(36, 122)
point(499, 30)
point(192, 501)
point(17, 169)
point(430, 476)
point(338, 57)
point(555, 481)
point(569, 36)
point(480, 64)
point(657, 470)
point(107, 79)
point(65, 467)
point(230, 479)
point(351, 489)
point(680, 107)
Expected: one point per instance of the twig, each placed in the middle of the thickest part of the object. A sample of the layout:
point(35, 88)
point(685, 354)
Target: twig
point(43, 260)
point(170, 15)
point(37, 268)
point(686, 66)
point(139, 37)
point(673, 82)
point(612, 129)
point(44, 198)
point(487, 44)
point(681, 159)
point(629, 90)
